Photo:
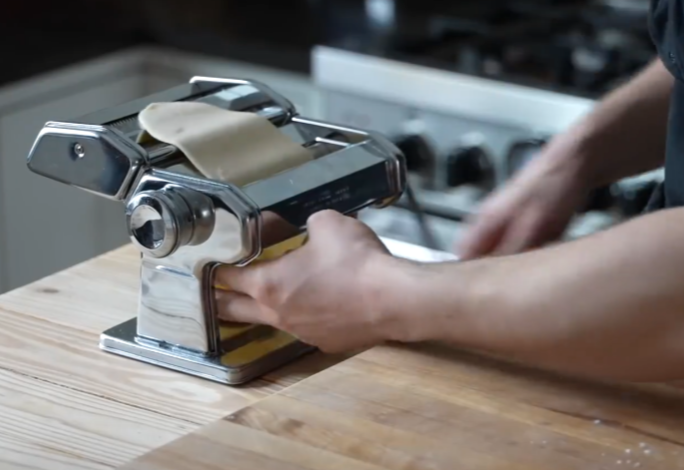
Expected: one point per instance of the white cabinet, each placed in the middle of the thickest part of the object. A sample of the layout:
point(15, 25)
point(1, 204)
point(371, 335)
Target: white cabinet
point(46, 226)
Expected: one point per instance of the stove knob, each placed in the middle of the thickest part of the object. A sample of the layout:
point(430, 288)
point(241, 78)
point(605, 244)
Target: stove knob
point(600, 199)
point(521, 153)
point(419, 155)
point(470, 165)
point(632, 199)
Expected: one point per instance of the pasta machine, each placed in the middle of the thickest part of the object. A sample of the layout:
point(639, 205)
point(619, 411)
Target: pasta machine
point(185, 225)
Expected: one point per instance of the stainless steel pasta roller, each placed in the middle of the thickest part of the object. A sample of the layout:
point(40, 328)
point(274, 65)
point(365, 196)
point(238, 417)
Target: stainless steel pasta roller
point(185, 225)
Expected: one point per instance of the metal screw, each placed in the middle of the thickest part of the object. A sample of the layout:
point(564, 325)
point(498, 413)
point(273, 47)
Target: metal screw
point(79, 150)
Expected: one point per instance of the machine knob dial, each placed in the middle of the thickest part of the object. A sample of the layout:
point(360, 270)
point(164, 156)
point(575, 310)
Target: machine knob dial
point(161, 221)
point(419, 155)
point(470, 165)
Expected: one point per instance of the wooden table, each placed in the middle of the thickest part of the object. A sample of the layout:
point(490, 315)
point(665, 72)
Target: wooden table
point(65, 404)
point(432, 407)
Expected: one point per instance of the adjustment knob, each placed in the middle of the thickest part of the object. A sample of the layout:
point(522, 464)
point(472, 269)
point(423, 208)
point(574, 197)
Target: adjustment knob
point(161, 221)
point(417, 151)
point(470, 165)
point(633, 198)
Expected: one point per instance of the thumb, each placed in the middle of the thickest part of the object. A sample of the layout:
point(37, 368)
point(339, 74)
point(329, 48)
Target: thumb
point(325, 221)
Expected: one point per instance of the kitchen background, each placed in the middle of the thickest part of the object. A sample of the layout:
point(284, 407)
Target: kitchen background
point(469, 90)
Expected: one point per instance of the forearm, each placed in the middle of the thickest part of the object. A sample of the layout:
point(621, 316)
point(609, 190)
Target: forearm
point(609, 306)
point(625, 133)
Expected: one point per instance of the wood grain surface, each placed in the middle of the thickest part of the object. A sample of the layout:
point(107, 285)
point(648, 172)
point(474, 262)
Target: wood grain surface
point(431, 407)
point(64, 404)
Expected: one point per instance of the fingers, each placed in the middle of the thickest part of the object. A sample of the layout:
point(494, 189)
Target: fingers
point(518, 238)
point(482, 238)
point(530, 231)
point(232, 306)
point(240, 279)
point(263, 280)
point(258, 280)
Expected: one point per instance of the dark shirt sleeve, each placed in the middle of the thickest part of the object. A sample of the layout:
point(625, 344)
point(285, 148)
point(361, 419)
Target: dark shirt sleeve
point(666, 26)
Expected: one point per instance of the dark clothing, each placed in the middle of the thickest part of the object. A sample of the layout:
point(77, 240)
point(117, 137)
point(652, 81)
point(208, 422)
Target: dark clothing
point(666, 26)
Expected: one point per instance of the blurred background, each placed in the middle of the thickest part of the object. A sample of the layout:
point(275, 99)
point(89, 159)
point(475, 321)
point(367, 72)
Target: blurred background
point(470, 90)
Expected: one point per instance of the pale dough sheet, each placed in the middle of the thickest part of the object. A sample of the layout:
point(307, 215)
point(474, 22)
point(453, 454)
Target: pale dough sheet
point(231, 146)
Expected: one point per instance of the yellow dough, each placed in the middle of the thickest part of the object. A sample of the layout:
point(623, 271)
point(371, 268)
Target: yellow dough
point(230, 146)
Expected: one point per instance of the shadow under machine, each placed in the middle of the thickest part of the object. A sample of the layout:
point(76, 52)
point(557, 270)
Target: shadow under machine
point(180, 220)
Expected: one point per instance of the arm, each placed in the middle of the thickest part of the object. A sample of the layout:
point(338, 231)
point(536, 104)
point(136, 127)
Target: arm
point(625, 133)
point(609, 306)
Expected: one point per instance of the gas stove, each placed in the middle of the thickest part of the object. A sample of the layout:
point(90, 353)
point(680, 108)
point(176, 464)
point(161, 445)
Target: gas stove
point(471, 94)
point(577, 47)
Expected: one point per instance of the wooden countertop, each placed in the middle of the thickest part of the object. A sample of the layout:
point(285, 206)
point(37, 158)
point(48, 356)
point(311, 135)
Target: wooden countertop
point(64, 404)
point(431, 407)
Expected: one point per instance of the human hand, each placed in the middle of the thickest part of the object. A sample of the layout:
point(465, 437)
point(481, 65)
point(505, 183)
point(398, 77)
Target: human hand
point(534, 208)
point(325, 293)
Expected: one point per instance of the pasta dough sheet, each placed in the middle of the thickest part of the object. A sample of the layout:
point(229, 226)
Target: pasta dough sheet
point(231, 146)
